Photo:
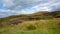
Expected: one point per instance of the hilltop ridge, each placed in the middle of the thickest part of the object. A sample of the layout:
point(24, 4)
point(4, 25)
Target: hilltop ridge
point(34, 16)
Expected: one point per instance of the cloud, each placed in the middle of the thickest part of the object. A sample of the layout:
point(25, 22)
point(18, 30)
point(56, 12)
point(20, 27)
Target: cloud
point(22, 4)
point(13, 7)
point(13, 4)
point(5, 13)
point(51, 6)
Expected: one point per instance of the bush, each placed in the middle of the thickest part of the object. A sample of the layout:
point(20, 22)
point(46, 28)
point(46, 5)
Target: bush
point(31, 27)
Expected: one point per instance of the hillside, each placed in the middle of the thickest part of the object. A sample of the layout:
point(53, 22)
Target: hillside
point(36, 23)
point(34, 16)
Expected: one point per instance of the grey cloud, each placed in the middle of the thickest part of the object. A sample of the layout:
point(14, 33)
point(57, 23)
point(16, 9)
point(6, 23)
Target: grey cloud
point(22, 4)
point(12, 4)
point(26, 6)
point(5, 13)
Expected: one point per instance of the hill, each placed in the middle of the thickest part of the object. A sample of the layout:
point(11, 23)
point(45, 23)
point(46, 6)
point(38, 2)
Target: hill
point(36, 23)
point(34, 16)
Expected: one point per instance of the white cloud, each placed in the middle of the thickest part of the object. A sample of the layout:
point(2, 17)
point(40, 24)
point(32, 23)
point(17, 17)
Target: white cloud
point(7, 3)
point(28, 6)
point(13, 4)
point(22, 4)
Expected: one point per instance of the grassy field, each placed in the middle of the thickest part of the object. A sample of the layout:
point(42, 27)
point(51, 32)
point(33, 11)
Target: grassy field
point(37, 23)
point(51, 26)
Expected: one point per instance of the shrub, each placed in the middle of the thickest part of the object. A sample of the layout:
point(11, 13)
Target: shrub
point(31, 27)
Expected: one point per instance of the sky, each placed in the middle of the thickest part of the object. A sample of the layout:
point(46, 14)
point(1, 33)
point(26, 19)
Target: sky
point(15, 7)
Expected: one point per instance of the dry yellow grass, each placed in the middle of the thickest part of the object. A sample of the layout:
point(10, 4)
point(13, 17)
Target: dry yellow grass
point(36, 23)
point(42, 27)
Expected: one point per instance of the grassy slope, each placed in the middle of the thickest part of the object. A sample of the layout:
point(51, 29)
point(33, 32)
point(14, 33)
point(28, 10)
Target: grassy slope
point(35, 15)
point(41, 26)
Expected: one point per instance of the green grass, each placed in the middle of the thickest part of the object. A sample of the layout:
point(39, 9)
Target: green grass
point(42, 27)
point(43, 23)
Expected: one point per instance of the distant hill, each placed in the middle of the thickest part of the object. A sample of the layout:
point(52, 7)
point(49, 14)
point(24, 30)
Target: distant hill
point(34, 16)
